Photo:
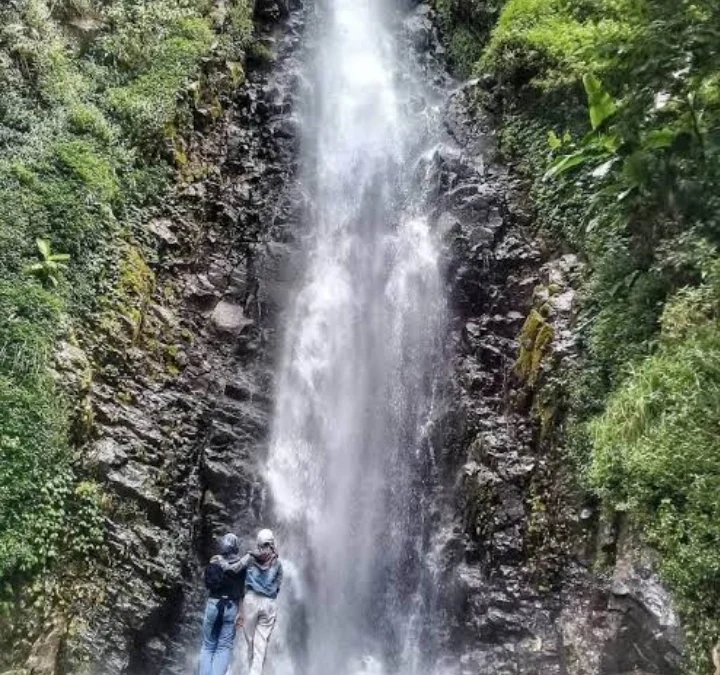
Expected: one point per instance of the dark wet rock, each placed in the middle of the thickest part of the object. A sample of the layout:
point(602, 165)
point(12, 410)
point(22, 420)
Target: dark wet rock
point(135, 480)
point(105, 455)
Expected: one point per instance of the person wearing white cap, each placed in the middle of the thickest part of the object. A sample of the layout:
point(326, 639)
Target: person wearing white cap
point(262, 585)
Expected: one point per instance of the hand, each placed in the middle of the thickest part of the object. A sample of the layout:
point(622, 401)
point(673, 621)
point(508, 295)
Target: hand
point(240, 621)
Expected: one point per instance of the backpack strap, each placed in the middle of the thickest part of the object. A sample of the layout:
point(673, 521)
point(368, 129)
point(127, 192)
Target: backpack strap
point(222, 604)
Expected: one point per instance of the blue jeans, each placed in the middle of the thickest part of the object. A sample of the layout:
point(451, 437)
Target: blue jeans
point(216, 652)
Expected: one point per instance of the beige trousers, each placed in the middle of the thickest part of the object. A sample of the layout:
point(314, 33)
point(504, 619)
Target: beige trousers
point(259, 614)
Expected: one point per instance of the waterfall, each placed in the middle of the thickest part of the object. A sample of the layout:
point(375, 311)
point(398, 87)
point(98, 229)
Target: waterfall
point(362, 346)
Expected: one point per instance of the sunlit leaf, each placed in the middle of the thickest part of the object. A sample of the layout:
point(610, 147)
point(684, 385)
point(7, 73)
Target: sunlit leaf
point(565, 163)
point(553, 141)
point(600, 103)
point(44, 247)
point(659, 139)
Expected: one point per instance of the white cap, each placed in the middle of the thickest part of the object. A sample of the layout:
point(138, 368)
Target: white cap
point(265, 537)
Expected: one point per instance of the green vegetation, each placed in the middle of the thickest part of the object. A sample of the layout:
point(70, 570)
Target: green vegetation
point(467, 25)
point(655, 455)
point(50, 265)
point(96, 99)
point(35, 469)
point(611, 109)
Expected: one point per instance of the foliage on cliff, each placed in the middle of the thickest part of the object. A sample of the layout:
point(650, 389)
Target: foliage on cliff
point(467, 25)
point(96, 98)
point(611, 109)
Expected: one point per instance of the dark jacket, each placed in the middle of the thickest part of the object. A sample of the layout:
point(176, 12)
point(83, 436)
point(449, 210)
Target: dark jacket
point(233, 578)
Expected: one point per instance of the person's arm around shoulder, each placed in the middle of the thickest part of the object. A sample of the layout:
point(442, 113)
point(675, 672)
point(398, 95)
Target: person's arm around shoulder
point(239, 565)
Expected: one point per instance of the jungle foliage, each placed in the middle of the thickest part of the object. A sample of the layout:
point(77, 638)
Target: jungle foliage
point(96, 97)
point(611, 109)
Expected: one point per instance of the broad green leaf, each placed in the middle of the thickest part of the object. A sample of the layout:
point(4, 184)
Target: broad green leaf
point(60, 257)
point(609, 142)
point(600, 103)
point(44, 247)
point(565, 163)
point(658, 139)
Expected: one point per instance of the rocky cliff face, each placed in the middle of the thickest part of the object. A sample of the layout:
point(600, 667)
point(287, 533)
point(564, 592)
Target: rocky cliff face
point(180, 406)
point(181, 411)
point(521, 547)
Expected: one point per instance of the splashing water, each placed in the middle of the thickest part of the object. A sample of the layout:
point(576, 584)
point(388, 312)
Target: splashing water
point(347, 456)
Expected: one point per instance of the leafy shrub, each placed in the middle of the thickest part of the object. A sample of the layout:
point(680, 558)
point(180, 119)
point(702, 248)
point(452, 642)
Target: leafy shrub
point(81, 160)
point(656, 455)
point(31, 321)
point(466, 25)
point(241, 24)
point(148, 103)
point(88, 119)
point(50, 265)
point(38, 505)
point(550, 43)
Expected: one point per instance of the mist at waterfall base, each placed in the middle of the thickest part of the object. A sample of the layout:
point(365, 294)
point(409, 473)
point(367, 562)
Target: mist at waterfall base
point(349, 460)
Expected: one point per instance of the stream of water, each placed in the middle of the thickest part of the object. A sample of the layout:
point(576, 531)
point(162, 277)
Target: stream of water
point(361, 352)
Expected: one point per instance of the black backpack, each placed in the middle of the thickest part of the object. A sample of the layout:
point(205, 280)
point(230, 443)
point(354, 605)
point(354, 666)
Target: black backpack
point(215, 578)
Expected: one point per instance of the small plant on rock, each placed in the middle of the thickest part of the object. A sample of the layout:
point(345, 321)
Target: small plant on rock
point(50, 264)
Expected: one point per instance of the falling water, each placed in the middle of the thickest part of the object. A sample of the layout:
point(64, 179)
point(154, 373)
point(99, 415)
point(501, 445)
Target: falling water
point(360, 355)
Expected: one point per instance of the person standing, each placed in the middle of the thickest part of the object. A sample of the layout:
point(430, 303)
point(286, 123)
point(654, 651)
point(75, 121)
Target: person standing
point(225, 581)
point(262, 584)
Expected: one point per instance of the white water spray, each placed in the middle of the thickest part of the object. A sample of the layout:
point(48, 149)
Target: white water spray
point(360, 353)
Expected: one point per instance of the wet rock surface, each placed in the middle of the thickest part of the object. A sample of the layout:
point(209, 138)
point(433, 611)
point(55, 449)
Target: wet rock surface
point(181, 407)
point(518, 542)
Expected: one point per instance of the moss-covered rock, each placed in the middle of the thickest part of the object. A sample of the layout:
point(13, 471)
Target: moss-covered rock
point(535, 340)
